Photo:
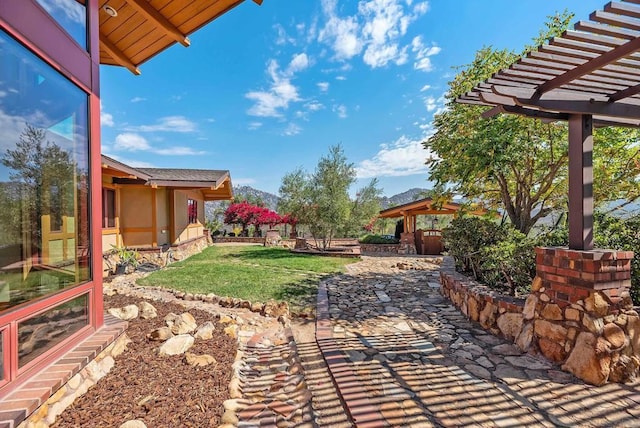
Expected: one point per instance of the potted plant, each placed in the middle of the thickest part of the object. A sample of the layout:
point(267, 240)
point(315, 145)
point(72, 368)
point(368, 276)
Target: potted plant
point(127, 260)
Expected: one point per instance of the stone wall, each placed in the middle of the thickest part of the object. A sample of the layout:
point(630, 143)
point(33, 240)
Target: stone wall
point(162, 256)
point(380, 248)
point(238, 239)
point(77, 386)
point(579, 313)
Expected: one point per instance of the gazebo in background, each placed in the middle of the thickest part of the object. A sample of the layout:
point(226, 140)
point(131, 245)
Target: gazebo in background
point(422, 241)
point(589, 76)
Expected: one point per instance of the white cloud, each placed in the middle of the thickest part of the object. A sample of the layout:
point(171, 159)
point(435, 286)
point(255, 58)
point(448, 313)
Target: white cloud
point(298, 63)
point(377, 30)
point(401, 158)
point(136, 163)
point(167, 124)
point(73, 11)
point(130, 142)
point(340, 33)
point(341, 78)
point(271, 102)
point(106, 119)
point(138, 99)
point(291, 130)
point(430, 103)
point(323, 86)
point(282, 38)
point(254, 125)
point(422, 54)
point(179, 151)
point(314, 106)
point(425, 88)
point(340, 110)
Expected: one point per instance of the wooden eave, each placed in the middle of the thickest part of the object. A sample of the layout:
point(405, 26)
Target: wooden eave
point(593, 69)
point(420, 207)
point(143, 28)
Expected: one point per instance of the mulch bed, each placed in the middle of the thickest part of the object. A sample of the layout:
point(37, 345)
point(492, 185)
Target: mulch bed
point(161, 391)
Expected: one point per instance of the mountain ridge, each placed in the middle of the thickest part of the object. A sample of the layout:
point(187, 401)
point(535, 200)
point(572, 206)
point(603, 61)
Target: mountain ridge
point(271, 201)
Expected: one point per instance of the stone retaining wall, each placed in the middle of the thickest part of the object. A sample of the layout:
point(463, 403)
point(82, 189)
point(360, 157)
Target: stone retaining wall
point(380, 248)
point(579, 313)
point(77, 386)
point(161, 256)
point(238, 239)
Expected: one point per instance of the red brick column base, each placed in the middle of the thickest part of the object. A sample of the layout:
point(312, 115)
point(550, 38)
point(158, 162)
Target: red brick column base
point(580, 313)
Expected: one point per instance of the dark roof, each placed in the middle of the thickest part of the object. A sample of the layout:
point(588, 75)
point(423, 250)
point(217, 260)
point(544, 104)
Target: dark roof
point(176, 174)
point(593, 69)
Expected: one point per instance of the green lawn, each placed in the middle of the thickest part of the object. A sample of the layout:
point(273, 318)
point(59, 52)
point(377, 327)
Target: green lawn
point(253, 273)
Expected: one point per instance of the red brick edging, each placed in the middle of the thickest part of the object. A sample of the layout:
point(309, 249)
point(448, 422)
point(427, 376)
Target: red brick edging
point(354, 398)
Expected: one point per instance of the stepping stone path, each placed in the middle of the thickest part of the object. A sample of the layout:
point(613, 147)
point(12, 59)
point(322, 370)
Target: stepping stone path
point(402, 355)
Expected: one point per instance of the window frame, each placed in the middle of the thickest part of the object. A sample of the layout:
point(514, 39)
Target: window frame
point(105, 206)
point(192, 211)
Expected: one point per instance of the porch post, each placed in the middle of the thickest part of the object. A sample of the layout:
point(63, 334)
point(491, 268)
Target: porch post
point(580, 182)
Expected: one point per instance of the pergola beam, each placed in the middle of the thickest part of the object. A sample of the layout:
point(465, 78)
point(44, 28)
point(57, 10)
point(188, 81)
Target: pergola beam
point(591, 65)
point(149, 12)
point(117, 55)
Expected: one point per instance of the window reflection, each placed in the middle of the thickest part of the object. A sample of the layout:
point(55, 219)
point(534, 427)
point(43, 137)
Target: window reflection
point(44, 238)
point(71, 15)
point(42, 332)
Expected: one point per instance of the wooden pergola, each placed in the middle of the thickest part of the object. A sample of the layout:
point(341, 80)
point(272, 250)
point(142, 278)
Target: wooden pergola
point(411, 210)
point(589, 76)
point(133, 31)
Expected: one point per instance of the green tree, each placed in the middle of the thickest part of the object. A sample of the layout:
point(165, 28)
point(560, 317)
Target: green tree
point(321, 200)
point(517, 163)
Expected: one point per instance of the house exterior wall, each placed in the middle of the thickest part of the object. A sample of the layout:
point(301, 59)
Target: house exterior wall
point(162, 217)
point(136, 211)
point(183, 230)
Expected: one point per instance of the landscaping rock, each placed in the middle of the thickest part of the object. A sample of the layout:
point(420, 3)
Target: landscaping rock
point(205, 331)
point(147, 310)
point(199, 360)
point(134, 423)
point(160, 334)
point(183, 324)
point(177, 345)
point(275, 309)
point(126, 313)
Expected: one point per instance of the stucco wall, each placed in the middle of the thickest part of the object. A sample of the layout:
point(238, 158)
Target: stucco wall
point(183, 230)
point(135, 216)
point(162, 217)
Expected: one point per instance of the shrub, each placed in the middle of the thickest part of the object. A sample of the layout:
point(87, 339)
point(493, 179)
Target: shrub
point(378, 239)
point(497, 255)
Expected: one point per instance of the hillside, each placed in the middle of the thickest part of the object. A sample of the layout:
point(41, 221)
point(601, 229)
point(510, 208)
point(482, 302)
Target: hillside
point(271, 201)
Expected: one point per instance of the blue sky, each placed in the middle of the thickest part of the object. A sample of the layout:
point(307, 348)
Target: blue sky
point(266, 89)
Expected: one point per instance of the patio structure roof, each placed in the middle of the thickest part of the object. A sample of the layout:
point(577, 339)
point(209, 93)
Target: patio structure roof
point(587, 76)
point(214, 184)
point(133, 31)
point(420, 207)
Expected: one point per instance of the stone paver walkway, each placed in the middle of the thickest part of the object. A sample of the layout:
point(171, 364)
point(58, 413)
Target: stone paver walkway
point(401, 355)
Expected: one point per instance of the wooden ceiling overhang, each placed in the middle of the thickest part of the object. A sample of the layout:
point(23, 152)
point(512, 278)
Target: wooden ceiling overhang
point(588, 76)
point(141, 29)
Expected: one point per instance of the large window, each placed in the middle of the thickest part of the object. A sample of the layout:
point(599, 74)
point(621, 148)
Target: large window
point(42, 332)
point(71, 15)
point(44, 178)
point(192, 211)
point(108, 208)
